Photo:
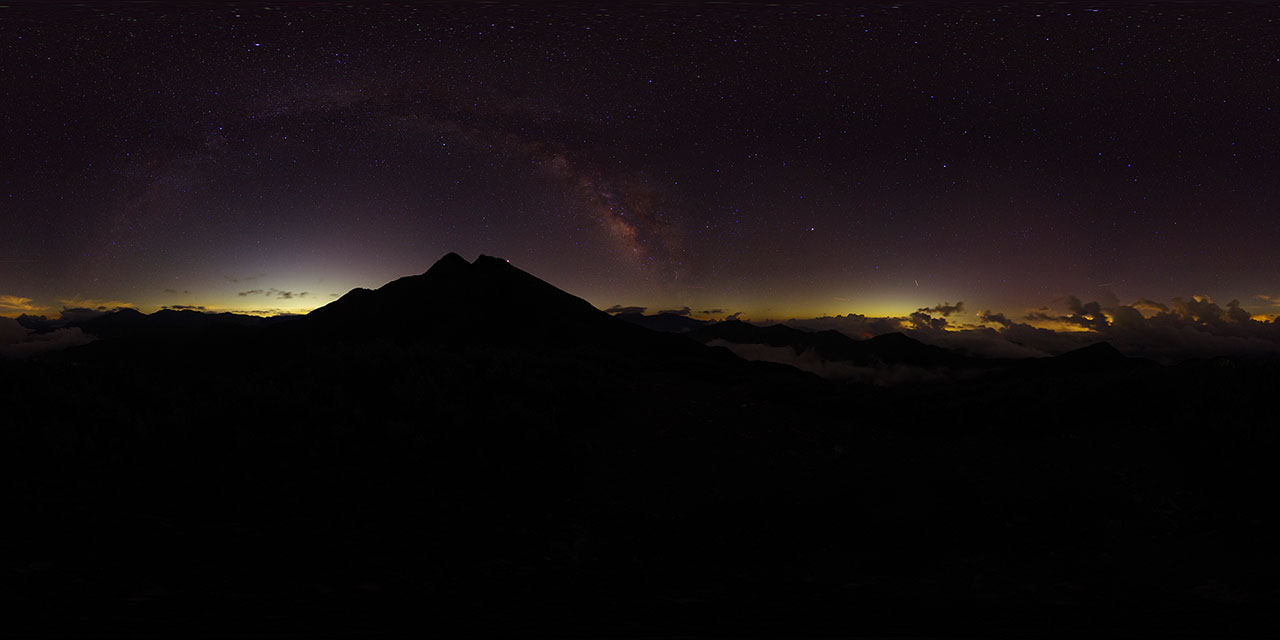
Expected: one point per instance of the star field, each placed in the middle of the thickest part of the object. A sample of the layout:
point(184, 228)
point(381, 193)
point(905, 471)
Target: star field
point(782, 161)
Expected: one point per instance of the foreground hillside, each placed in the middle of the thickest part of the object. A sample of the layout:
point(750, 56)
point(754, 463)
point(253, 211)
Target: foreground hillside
point(411, 457)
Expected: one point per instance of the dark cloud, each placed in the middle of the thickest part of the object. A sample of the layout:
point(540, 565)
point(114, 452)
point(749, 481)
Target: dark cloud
point(286, 295)
point(945, 309)
point(923, 320)
point(734, 316)
point(617, 308)
point(283, 295)
point(709, 312)
point(183, 307)
point(995, 318)
point(686, 311)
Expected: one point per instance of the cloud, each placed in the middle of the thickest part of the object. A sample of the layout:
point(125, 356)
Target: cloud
point(679, 312)
point(17, 342)
point(282, 295)
point(922, 320)
point(19, 304)
point(266, 313)
point(175, 291)
point(945, 309)
point(79, 314)
point(1152, 306)
point(183, 307)
point(617, 308)
point(736, 315)
point(94, 303)
point(995, 318)
point(1088, 315)
point(710, 312)
point(1184, 328)
point(243, 278)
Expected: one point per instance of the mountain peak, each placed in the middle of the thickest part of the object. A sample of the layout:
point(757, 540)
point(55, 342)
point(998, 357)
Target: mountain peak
point(450, 263)
point(483, 259)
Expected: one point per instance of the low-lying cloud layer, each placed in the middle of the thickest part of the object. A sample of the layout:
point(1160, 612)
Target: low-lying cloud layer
point(885, 375)
point(1168, 332)
point(16, 341)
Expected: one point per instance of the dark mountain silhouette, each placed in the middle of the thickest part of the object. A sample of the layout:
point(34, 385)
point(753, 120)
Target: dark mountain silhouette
point(488, 299)
point(668, 322)
point(1101, 353)
point(472, 449)
point(490, 303)
point(1095, 358)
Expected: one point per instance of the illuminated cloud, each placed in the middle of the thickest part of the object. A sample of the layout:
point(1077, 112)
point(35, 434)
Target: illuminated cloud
point(15, 305)
point(96, 304)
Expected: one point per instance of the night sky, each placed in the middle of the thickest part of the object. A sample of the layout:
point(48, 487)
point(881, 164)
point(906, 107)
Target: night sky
point(781, 161)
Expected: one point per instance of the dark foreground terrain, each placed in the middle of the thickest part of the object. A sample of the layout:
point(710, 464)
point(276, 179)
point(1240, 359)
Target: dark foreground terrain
point(417, 459)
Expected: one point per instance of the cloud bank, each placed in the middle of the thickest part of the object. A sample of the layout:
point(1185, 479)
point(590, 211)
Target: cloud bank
point(16, 341)
point(1183, 328)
